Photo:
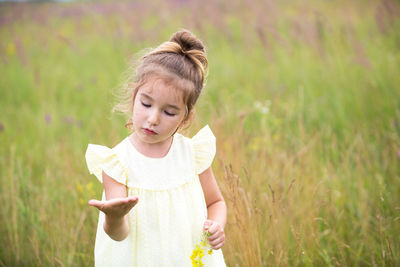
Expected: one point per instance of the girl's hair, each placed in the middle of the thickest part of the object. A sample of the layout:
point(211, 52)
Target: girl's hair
point(181, 62)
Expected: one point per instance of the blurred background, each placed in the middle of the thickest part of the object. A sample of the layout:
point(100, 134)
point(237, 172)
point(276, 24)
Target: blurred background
point(303, 97)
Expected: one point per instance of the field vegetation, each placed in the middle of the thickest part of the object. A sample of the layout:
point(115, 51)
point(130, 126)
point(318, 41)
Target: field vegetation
point(303, 97)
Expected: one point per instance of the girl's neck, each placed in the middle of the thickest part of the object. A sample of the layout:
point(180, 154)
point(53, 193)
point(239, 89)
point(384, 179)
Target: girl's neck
point(151, 150)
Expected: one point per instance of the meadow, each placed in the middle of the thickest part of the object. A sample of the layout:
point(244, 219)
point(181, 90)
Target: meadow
point(303, 98)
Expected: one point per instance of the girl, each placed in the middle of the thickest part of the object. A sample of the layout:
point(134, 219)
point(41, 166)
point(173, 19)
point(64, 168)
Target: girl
point(160, 194)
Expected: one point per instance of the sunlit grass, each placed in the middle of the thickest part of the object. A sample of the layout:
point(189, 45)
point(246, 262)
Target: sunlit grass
point(303, 99)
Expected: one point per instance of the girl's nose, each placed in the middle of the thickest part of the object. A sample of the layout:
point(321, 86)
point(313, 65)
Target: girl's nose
point(154, 117)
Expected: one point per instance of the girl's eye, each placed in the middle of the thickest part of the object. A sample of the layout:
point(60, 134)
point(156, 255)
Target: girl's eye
point(146, 105)
point(169, 113)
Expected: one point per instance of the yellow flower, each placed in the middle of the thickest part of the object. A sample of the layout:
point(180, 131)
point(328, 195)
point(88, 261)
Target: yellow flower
point(85, 192)
point(11, 49)
point(79, 187)
point(89, 186)
point(198, 252)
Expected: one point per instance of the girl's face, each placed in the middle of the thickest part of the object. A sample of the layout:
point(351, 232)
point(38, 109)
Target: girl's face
point(158, 111)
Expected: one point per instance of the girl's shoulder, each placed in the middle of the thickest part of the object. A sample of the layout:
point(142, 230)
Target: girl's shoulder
point(204, 138)
point(123, 146)
point(202, 147)
point(101, 158)
point(204, 134)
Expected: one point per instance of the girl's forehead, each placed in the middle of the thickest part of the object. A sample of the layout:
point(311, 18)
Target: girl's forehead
point(159, 88)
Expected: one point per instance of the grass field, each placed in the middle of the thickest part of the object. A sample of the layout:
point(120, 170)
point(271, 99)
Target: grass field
point(303, 97)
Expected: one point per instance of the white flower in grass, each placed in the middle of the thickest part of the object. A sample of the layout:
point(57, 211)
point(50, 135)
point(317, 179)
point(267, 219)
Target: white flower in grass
point(263, 107)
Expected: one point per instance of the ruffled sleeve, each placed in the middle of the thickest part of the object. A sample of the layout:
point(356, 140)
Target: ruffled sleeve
point(101, 158)
point(204, 149)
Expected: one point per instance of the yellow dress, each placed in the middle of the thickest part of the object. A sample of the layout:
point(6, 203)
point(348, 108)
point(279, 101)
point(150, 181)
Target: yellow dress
point(168, 220)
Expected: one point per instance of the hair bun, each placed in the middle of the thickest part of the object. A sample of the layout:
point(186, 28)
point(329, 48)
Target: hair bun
point(187, 40)
point(193, 48)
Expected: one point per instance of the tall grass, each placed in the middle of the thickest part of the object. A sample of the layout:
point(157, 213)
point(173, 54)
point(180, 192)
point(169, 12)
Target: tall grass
point(303, 99)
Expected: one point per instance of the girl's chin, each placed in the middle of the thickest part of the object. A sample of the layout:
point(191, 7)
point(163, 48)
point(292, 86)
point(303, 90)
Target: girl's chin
point(150, 139)
point(144, 137)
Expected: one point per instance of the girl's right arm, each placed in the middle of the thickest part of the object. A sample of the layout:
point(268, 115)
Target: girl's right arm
point(116, 208)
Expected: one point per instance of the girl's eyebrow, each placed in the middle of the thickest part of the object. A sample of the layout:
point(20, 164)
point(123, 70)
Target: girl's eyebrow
point(168, 105)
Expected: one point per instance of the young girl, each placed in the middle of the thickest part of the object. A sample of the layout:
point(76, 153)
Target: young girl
point(160, 195)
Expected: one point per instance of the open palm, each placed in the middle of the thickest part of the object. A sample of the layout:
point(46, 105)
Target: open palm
point(116, 207)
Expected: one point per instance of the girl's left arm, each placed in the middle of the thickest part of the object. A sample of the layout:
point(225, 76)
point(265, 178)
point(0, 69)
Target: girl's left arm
point(216, 209)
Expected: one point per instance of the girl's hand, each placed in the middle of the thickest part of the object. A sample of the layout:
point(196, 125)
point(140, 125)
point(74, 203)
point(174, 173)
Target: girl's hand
point(116, 207)
point(217, 237)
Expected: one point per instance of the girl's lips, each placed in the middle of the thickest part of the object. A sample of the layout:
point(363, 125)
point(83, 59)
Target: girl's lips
point(148, 131)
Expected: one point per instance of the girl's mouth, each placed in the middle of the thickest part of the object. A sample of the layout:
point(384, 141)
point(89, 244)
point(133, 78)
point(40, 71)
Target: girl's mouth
point(149, 132)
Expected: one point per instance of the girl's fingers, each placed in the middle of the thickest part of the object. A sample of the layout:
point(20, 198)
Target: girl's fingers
point(217, 241)
point(124, 203)
point(130, 204)
point(218, 246)
point(132, 200)
point(217, 237)
point(115, 207)
point(215, 231)
point(207, 225)
point(211, 227)
point(121, 201)
point(96, 203)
